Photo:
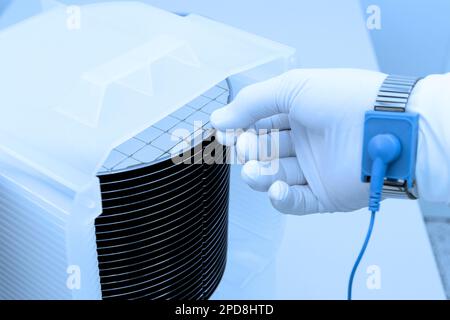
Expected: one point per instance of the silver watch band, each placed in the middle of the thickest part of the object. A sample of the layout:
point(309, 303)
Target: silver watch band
point(394, 93)
point(393, 97)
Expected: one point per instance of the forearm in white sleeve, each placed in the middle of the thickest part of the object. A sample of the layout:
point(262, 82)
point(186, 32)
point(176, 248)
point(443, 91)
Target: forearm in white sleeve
point(431, 99)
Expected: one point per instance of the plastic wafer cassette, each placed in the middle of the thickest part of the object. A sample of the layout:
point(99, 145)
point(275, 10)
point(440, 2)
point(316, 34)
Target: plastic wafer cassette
point(106, 192)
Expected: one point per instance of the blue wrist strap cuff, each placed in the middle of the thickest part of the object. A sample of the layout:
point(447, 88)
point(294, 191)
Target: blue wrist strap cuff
point(390, 117)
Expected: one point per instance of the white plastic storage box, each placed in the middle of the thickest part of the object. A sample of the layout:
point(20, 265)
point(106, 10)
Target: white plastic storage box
point(92, 204)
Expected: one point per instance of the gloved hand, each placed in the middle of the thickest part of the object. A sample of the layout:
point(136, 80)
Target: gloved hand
point(320, 113)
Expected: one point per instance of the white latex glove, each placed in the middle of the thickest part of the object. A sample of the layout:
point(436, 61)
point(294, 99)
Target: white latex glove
point(320, 153)
point(322, 113)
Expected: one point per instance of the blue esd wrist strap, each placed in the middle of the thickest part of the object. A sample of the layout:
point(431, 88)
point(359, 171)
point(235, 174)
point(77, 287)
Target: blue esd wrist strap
point(390, 117)
point(389, 150)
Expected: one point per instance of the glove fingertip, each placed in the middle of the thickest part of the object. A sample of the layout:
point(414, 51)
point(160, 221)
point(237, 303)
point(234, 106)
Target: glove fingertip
point(250, 174)
point(217, 119)
point(226, 138)
point(279, 195)
point(297, 200)
point(279, 191)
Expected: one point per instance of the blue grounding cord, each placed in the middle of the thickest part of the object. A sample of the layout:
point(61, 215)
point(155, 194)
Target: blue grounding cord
point(360, 255)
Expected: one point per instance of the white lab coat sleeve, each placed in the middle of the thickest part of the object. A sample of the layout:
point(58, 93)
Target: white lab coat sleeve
point(431, 99)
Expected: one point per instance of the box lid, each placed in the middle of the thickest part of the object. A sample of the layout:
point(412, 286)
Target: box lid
point(71, 91)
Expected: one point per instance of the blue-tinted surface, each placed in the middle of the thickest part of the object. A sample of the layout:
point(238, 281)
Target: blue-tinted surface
point(12, 11)
point(419, 32)
point(414, 38)
point(334, 43)
point(4, 5)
